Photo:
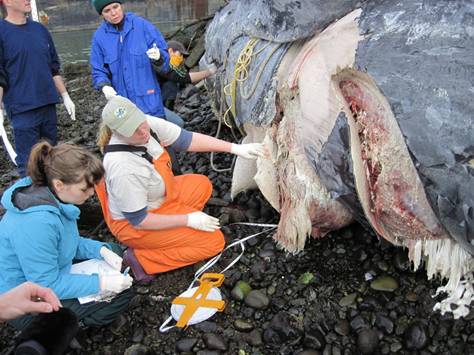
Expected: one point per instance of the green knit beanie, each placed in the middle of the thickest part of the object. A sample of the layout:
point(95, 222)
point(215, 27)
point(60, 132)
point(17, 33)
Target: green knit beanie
point(100, 4)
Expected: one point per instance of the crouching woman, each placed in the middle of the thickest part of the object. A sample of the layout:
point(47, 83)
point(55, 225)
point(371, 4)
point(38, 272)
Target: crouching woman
point(156, 214)
point(39, 238)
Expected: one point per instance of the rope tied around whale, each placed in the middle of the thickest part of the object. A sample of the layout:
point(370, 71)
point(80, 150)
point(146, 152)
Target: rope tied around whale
point(240, 76)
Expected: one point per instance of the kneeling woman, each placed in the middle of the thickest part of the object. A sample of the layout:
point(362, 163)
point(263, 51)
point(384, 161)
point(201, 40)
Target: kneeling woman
point(39, 238)
point(157, 215)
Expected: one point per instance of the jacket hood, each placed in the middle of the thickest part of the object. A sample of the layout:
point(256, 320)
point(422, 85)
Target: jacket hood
point(23, 197)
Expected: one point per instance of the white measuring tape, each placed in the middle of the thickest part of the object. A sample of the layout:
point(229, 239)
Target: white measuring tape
point(203, 313)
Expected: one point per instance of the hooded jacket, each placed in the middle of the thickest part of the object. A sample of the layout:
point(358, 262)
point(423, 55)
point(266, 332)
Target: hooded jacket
point(118, 58)
point(39, 240)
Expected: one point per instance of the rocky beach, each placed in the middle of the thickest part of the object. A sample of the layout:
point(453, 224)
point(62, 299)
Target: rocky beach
point(347, 293)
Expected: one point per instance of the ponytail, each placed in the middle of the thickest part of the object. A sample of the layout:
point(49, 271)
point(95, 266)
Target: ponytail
point(103, 138)
point(65, 162)
point(40, 153)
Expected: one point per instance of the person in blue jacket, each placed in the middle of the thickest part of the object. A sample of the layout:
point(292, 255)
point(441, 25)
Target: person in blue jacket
point(29, 79)
point(39, 237)
point(122, 52)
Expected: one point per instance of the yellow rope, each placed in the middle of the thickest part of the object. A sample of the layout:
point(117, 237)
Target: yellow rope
point(241, 74)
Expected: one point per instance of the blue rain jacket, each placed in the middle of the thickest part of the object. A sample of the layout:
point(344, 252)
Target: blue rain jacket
point(38, 244)
point(118, 58)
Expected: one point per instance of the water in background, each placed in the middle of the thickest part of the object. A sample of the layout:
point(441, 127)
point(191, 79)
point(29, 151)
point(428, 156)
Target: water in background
point(75, 46)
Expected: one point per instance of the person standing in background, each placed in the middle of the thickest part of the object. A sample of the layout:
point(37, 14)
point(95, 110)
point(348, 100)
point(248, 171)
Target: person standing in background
point(178, 76)
point(29, 79)
point(124, 47)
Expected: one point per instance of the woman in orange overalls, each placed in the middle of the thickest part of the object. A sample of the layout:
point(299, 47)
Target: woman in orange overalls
point(156, 214)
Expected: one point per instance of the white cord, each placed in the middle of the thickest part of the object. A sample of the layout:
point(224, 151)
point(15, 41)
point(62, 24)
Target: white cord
point(214, 260)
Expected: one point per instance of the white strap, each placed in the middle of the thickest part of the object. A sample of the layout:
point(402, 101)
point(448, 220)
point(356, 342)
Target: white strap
point(214, 260)
point(11, 152)
point(163, 327)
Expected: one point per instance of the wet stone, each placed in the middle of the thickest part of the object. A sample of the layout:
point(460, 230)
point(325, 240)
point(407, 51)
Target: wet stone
point(252, 214)
point(342, 327)
point(411, 297)
point(207, 327)
point(143, 290)
point(256, 299)
point(309, 352)
point(367, 341)
point(270, 336)
point(186, 345)
point(271, 290)
point(214, 341)
point(306, 278)
point(208, 352)
point(138, 335)
point(396, 347)
point(266, 254)
point(258, 270)
point(281, 323)
point(136, 349)
point(240, 290)
point(383, 266)
point(358, 323)
point(243, 326)
point(369, 303)
point(384, 323)
point(348, 300)
point(384, 283)
point(401, 261)
point(314, 339)
point(415, 337)
point(254, 338)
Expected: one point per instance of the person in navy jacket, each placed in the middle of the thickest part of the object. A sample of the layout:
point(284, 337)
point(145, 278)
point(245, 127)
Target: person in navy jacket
point(39, 238)
point(29, 79)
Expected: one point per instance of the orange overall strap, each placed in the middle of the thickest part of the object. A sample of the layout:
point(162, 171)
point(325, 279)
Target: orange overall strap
point(163, 167)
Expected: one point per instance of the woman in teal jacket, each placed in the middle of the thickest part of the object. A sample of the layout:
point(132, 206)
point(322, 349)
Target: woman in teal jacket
point(39, 238)
point(119, 59)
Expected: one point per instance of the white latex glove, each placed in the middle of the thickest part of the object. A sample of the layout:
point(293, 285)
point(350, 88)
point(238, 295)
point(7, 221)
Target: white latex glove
point(109, 92)
point(70, 107)
point(203, 222)
point(153, 53)
point(115, 283)
point(111, 258)
point(249, 151)
point(212, 69)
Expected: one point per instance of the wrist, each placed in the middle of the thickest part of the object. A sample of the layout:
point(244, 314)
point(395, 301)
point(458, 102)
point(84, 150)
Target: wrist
point(65, 94)
point(101, 282)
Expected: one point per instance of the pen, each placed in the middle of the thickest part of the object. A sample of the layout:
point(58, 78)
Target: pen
point(127, 269)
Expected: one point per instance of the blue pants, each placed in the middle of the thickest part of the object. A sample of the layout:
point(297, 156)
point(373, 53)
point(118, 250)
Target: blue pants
point(29, 128)
point(173, 117)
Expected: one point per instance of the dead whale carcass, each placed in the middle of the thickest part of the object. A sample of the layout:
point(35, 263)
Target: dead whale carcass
point(365, 107)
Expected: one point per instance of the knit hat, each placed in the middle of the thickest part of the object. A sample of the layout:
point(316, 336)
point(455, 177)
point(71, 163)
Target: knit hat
point(177, 46)
point(100, 4)
point(122, 115)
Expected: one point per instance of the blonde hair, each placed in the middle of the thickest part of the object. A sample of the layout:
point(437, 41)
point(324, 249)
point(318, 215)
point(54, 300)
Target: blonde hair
point(103, 138)
point(65, 162)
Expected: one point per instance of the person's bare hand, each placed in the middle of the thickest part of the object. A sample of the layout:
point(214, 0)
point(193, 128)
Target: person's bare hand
point(27, 298)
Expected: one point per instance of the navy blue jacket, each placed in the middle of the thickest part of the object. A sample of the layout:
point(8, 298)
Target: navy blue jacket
point(28, 62)
point(118, 58)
